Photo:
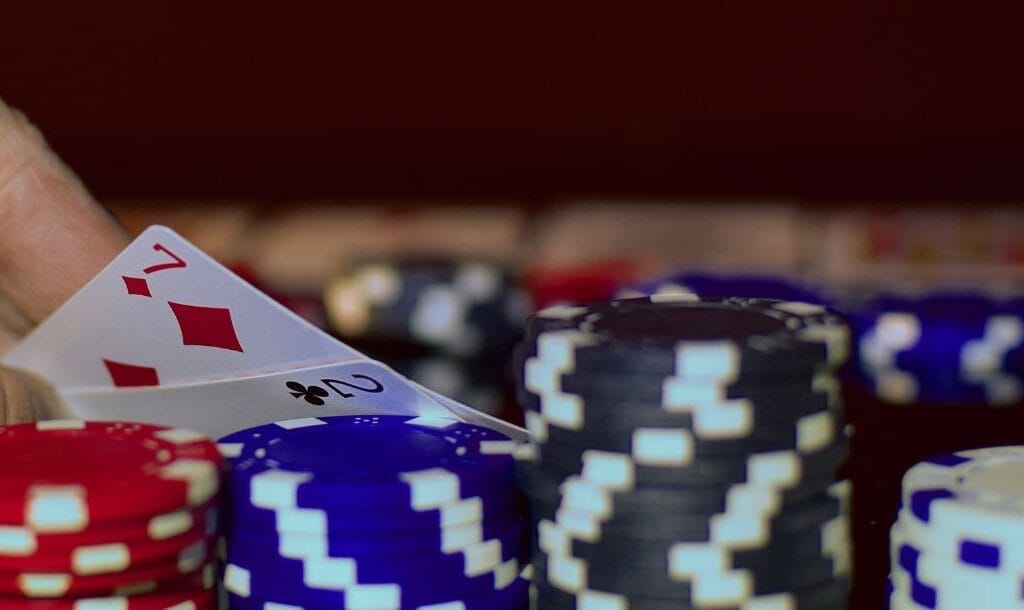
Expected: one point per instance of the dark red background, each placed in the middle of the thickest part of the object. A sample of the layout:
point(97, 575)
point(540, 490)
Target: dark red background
point(536, 99)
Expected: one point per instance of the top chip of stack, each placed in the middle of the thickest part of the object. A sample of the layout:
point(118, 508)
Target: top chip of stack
point(121, 514)
point(373, 512)
point(460, 307)
point(718, 285)
point(942, 349)
point(958, 542)
point(683, 453)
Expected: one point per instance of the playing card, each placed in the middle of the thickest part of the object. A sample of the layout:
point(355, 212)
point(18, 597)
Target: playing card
point(220, 407)
point(167, 335)
point(164, 313)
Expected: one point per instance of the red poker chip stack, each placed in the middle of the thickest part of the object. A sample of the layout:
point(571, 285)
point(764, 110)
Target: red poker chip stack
point(97, 515)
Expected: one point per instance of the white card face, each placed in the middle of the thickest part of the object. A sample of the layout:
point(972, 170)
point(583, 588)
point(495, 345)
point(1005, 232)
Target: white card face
point(220, 407)
point(164, 313)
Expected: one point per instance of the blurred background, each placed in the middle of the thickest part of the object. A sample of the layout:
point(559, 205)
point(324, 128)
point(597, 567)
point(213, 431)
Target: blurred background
point(830, 141)
point(566, 151)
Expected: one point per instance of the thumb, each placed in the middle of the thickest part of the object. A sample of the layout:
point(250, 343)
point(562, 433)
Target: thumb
point(23, 398)
point(54, 237)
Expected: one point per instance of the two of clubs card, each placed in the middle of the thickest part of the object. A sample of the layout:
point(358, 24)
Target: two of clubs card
point(165, 334)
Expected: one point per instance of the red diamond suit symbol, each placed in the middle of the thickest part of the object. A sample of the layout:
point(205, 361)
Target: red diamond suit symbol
point(130, 375)
point(136, 285)
point(209, 326)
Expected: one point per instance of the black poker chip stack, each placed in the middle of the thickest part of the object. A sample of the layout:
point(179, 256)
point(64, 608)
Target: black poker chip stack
point(454, 306)
point(445, 322)
point(683, 454)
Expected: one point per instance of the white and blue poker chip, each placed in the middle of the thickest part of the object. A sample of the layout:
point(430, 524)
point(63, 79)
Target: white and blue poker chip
point(969, 496)
point(958, 542)
point(367, 460)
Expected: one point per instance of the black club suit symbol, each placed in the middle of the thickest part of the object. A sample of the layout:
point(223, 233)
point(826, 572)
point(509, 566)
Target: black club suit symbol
point(313, 394)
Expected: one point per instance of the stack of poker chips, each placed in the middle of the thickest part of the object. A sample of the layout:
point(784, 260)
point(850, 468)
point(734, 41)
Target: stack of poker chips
point(958, 543)
point(373, 513)
point(941, 349)
point(107, 515)
point(683, 454)
point(446, 323)
point(459, 307)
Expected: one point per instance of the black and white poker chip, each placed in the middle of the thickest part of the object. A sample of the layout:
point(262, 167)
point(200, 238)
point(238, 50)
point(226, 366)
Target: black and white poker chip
point(658, 334)
point(765, 579)
point(575, 493)
point(809, 515)
point(813, 430)
point(828, 595)
point(672, 466)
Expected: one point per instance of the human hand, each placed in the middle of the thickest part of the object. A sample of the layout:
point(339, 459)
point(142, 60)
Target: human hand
point(54, 238)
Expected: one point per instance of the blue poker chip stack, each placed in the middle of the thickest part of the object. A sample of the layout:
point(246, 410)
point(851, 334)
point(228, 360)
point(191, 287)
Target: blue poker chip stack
point(683, 454)
point(940, 349)
point(373, 512)
point(958, 542)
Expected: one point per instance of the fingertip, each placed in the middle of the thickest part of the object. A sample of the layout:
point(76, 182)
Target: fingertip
point(17, 400)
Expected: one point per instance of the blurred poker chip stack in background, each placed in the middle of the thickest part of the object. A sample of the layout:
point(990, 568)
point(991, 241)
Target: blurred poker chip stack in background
point(448, 323)
point(932, 373)
point(684, 453)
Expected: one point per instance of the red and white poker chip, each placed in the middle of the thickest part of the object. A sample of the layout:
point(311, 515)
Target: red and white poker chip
point(193, 593)
point(64, 476)
point(45, 584)
point(19, 543)
point(108, 557)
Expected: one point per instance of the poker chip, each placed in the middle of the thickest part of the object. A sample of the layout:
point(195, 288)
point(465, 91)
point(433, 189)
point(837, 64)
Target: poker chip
point(460, 307)
point(798, 433)
point(373, 512)
point(19, 542)
point(958, 542)
point(826, 596)
point(656, 335)
point(683, 453)
point(721, 285)
point(664, 461)
point(195, 595)
point(356, 460)
point(940, 349)
point(734, 588)
point(107, 514)
point(512, 597)
point(28, 583)
point(108, 556)
point(579, 494)
point(160, 468)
